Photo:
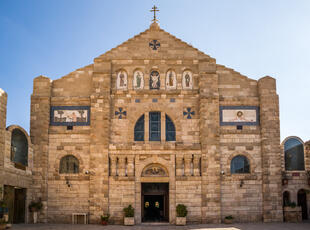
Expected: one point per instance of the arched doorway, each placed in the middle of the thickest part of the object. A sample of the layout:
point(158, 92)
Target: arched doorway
point(154, 194)
point(302, 201)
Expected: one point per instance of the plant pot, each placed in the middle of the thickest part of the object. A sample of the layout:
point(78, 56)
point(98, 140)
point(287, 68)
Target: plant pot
point(228, 221)
point(6, 217)
point(35, 217)
point(181, 221)
point(129, 221)
point(103, 222)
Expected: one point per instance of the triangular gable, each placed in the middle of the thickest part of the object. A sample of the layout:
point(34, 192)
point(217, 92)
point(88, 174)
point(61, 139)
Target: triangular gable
point(138, 47)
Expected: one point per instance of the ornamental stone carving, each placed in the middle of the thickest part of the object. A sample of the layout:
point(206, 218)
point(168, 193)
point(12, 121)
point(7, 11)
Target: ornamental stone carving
point(154, 170)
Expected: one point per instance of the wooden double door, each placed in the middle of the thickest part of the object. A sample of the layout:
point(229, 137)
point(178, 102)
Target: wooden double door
point(15, 199)
point(155, 202)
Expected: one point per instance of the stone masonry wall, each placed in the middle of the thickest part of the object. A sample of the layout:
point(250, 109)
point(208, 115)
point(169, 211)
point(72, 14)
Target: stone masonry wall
point(3, 101)
point(121, 194)
point(271, 155)
point(188, 192)
point(39, 126)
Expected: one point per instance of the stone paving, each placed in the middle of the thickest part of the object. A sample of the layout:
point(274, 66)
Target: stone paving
point(245, 226)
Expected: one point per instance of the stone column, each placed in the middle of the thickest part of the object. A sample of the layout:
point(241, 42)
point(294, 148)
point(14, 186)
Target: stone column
point(113, 165)
point(271, 153)
point(99, 145)
point(39, 127)
point(187, 165)
point(196, 165)
point(209, 139)
point(3, 103)
point(163, 126)
point(130, 166)
point(179, 165)
point(121, 166)
point(146, 127)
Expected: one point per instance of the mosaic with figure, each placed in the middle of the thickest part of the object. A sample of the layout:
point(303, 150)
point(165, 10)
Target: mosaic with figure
point(239, 115)
point(70, 115)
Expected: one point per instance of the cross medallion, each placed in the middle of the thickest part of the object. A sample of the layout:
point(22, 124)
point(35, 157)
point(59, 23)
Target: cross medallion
point(154, 44)
point(189, 113)
point(121, 113)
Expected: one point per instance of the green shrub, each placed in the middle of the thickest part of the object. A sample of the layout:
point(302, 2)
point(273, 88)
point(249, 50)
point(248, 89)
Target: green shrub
point(129, 211)
point(292, 204)
point(229, 217)
point(181, 210)
point(35, 206)
point(105, 217)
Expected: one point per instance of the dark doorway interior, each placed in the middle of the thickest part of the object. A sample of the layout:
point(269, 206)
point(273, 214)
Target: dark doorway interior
point(155, 202)
point(302, 201)
point(15, 199)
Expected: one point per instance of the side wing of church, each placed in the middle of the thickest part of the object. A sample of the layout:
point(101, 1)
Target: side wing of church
point(154, 123)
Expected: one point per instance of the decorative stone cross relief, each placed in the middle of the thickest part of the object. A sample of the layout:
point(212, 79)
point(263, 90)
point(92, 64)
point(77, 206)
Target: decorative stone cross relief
point(154, 44)
point(189, 113)
point(121, 113)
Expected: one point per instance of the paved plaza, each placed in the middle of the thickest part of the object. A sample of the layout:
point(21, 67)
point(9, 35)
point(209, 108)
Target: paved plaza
point(247, 226)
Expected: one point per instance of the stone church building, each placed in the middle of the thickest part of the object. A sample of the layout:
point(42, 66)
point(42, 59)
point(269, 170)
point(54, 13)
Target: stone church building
point(154, 123)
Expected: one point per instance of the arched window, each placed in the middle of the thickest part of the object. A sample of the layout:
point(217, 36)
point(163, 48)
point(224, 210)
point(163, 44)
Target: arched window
point(294, 154)
point(69, 164)
point(19, 147)
point(286, 198)
point(239, 164)
point(155, 126)
point(139, 129)
point(170, 129)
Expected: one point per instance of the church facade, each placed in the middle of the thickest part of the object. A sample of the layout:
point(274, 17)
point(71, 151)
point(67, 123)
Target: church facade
point(154, 123)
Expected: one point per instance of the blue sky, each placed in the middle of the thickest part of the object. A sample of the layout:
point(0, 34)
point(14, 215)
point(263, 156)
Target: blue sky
point(256, 38)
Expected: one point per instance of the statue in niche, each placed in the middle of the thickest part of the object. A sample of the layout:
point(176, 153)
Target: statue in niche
point(154, 81)
point(138, 82)
point(122, 80)
point(171, 80)
point(187, 80)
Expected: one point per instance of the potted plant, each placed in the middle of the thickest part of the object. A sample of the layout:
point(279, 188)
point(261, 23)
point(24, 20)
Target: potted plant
point(292, 212)
point(3, 208)
point(181, 214)
point(229, 219)
point(105, 219)
point(129, 214)
point(35, 207)
point(2, 224)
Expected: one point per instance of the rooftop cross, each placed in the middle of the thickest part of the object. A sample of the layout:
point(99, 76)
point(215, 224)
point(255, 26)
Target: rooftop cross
point(154, 9)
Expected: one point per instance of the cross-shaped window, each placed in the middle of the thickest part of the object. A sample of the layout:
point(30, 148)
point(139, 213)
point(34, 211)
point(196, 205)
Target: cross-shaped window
point(189, 113)
point(154, 44)
point(120, 113)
